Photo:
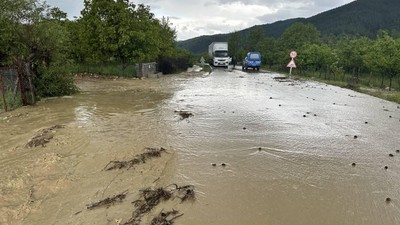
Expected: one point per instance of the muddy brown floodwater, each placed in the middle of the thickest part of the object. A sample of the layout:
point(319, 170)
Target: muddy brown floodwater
point(256, 149)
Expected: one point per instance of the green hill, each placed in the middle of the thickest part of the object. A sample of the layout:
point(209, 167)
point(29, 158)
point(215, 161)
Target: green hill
point(361, 17)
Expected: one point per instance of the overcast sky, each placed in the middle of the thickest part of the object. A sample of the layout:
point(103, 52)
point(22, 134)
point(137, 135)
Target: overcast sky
point(192, 18)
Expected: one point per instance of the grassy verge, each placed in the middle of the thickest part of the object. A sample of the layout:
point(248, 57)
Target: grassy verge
point(207, 69)
point(393, 96)
point(367, 84)
point(104, 69)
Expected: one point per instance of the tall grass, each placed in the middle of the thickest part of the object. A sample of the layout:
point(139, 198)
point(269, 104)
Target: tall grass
point(367, 83)
point(12, 101)
point(104, 69)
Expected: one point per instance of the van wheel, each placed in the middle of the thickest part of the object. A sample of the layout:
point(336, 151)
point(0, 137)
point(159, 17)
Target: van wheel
point(258, 68)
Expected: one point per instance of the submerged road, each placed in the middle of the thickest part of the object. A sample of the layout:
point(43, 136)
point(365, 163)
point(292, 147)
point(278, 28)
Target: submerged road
point(294, 152)
point(257, 150)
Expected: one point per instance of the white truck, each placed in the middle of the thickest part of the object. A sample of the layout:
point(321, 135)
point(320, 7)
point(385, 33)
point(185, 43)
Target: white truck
point(218, 52)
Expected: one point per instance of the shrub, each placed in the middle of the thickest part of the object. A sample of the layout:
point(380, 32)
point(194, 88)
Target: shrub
point(169, 65)
point(54, 82)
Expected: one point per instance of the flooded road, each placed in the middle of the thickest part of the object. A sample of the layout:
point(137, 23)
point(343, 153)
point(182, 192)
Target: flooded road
point(288, 149)
point(258, 151)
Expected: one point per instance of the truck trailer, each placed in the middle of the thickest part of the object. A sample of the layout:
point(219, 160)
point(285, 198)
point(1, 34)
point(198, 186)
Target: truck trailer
point(218, 52)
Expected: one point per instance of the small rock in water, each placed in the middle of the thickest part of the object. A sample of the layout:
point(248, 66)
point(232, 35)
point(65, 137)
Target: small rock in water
point(388, 200)
point(391, 155)
point(214, 164)
point(353, 164)
point(223, 164)
point(259, 148)
point(366, 122)
point(386, 167)
point(355, 136)
point(397, 151)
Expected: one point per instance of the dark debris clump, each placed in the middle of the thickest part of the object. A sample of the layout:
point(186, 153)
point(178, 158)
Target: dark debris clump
point(150, 153)
point(108, 201)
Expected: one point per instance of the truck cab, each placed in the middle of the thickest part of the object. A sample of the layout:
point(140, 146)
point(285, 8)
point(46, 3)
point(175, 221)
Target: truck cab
point(252, 60)
point(218, 52)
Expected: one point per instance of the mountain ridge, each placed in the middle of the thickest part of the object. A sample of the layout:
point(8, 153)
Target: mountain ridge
point(357, 18)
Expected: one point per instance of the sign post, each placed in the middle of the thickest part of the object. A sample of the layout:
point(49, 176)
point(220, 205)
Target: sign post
point(292, 63)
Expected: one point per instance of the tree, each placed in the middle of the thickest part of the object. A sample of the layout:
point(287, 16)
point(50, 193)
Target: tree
point(255, 39)
point(298, 35)
point(234, 45)
point(351, 53)
point(320, 57)
point(32, 38)
point(123, 31)
point(383, 57)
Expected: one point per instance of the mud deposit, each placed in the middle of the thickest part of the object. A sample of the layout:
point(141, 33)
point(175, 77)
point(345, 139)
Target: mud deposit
point(53, 156)
point(234, 148)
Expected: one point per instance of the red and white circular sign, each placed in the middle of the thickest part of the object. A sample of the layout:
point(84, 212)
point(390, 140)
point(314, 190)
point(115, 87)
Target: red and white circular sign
point(293, 54)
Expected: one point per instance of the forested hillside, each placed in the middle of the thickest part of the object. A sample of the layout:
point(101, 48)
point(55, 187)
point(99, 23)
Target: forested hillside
point(361, 17)
point(358, 18)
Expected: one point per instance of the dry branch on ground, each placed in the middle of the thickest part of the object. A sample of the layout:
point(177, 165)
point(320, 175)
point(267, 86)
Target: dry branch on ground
point(165, 218)
point(43, 137)
point(108, 201)
point(150, 153)
point(150, 198)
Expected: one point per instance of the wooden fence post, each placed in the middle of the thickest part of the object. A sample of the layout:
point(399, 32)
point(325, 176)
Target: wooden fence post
point(3, 94)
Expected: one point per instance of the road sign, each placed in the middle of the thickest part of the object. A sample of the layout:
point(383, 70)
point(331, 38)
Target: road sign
point(293, 54)
point(202, 60)
point(291, 64)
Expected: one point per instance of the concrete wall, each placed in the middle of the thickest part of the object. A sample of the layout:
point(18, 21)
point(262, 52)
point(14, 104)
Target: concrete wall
point(146, 69)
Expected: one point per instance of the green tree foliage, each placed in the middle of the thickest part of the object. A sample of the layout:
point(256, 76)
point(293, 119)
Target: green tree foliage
point(234, 43)
point(298, 35)
point(33, 40)
point(318, 57)
point(119, 30)
point(255, 39)
point(351, 52)
point(383, 57)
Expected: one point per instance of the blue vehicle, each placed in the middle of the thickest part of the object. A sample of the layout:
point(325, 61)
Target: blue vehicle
point(252, 60)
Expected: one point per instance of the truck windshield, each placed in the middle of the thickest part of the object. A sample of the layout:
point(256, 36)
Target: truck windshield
point(221, 54)
point(254, 56)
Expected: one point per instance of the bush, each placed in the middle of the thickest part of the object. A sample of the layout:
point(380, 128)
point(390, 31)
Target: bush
point(169, 65)
point(54, 82)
